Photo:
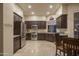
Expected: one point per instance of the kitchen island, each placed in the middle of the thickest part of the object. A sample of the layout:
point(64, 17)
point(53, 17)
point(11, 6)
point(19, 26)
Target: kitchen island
point(48, 36)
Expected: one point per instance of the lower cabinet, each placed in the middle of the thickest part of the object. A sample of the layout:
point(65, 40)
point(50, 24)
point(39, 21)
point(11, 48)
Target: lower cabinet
point(46, 36)
point(28, 36)
point(50, 37)
point(17, 43)
point(41, 36)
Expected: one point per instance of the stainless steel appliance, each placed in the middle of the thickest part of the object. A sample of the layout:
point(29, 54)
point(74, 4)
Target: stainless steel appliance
point(23, 34)
point(34, 34)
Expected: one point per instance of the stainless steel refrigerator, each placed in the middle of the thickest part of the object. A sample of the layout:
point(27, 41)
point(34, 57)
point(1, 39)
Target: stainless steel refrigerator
point(23, 34)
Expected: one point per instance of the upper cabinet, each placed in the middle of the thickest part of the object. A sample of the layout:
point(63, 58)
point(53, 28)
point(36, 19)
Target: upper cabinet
point(61, 21)
point(41, 24)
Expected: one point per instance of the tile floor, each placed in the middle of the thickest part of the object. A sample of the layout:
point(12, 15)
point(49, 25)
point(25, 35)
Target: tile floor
point(37, 48)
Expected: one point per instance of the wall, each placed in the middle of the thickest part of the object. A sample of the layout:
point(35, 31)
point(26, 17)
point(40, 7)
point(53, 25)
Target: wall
point(7, 29)
point(58, 12)
point(35, 18)
point(64, 8)
point(8, 10)
point(72, 8)
point(1, 29)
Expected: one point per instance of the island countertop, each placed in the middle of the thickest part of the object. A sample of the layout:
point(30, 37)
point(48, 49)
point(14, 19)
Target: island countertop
point(45, 32)
point(16, 36)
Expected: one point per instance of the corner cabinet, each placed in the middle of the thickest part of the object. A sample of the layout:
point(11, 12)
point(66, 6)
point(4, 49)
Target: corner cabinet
point(61, 21)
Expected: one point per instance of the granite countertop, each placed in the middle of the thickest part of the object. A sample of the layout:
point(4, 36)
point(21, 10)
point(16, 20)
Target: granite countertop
point(48, 32)
point(45, 32)
point(51, 33)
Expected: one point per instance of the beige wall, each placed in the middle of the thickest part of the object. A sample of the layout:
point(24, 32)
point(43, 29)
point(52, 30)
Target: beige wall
point(64, 8)
point(7, 29)
point(35, 18)
point(8, 10)
point(58, 12)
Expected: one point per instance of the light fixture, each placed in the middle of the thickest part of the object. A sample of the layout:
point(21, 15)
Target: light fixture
point(29, 6)
point(33, 13)
point(50, 6)
point(48, 13)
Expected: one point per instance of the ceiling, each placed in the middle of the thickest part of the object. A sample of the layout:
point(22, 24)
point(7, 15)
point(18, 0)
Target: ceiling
point(38, 8)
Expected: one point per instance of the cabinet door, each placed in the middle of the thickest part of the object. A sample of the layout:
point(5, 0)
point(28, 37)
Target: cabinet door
point(64, 21)
point(28, 24)
point(42, 24)
point(58, 22)
point(17, 44)
point(39, 36)
point(46, 37)
point(28, 36)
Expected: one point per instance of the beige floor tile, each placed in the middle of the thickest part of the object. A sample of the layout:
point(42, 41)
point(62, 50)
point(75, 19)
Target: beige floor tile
point(37, 48)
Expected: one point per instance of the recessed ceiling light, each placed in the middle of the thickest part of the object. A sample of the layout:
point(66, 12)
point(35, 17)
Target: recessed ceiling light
point(33, 13)
point(50, 6)
point(29, 6)
point(48, 13)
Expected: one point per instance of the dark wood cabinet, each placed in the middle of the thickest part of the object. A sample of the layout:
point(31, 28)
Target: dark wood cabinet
point(17, 44)
point(50, 37)
point(41, 24)
point(28, 36)
point(46, 36)
point(41, 36)
point(62, 21)
point(28, 24)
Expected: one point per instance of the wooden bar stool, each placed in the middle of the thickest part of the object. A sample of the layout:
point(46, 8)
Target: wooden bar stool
point(59, 46)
